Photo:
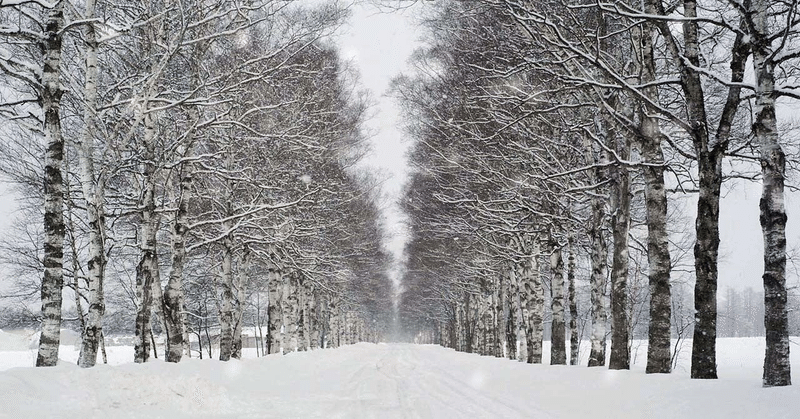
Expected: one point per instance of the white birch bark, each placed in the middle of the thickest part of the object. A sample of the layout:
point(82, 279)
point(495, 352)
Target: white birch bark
point(53, 279)
point(498, 333)
point(709, 154)
point(558, 350)
point(302, 321)
point(469, 321)
point(620, 222)
point(503, 311)
point(226, 298)
point(521, 344)
point(777, 365)
point(597, 356)
point(342, 330)
point(534, 303)
point(658, 256)
point(93, 192)
point(333, 322)
point(314, 325)
point(709, 161)
point(352, 321)
point(290, 313)
point(173, 299)
point(241, 295)
point(599, 258)
point(274, 311)
point(147, 272)
point(459, 328)
point(158, 314)
point(485, 341)
point(574, 342)
point(352, 327)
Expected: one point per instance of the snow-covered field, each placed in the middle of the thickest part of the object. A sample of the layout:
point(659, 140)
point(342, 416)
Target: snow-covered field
point(387, 381)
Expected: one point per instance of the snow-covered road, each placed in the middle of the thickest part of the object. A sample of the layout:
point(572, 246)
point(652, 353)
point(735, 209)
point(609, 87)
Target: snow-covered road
point(387, 381)
point(407, 381)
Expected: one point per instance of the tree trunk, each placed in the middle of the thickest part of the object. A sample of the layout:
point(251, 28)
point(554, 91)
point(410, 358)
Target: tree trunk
point(187, 348)
point(558, 350)
point(658, 350)
point(153, 342)
point(344, 327)
point(706, 249)
point(659, 263)
point(274, 311)
point(144, 285)
point(574, 343)
point(226, 299)
point(534, 304)
point(502, 327)
point(709, 158)
point(158, 314)
point(517, 293)
point(620, 220)
point(70, 232)
point(460, 345)
point(103, 348)
point(302, 313)
point(93, 192)
point(451, 327)
point(241, 295)
point(333, 322)
point(355, 335)
point(490, 296)
point(260, 343)
point(498, 323)
point(466, 330)
point(53, 279)
point(173, 303)
point(777, 366)
point(314, 324)
point(597, 356)
point(290, 313)
point(510, 313)
point(147, 272)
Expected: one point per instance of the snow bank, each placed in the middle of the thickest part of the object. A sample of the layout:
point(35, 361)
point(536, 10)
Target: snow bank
point(129, 391)
point(18, 348)
point(394, 381)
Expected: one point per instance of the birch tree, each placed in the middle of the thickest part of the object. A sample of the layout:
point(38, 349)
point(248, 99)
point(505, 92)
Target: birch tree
point(44, 80)
point(558, 352)
point(93, 192)
point(769, 25)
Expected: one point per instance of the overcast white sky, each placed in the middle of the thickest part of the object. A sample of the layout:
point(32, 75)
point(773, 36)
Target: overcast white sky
point(380, 43)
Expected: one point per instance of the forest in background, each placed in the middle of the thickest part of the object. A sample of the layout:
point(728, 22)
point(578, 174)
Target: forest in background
point(555, 143)
point(199, 168)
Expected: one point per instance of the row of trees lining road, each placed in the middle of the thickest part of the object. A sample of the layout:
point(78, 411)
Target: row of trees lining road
point(198, 167)
point(553, 131)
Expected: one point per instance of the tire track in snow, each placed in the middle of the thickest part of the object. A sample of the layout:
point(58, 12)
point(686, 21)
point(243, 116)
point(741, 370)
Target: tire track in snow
point(370, 392)
point(456, 397)
point(389, 370)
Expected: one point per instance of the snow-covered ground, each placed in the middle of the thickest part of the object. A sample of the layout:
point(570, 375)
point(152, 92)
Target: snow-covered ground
point(389, 381)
